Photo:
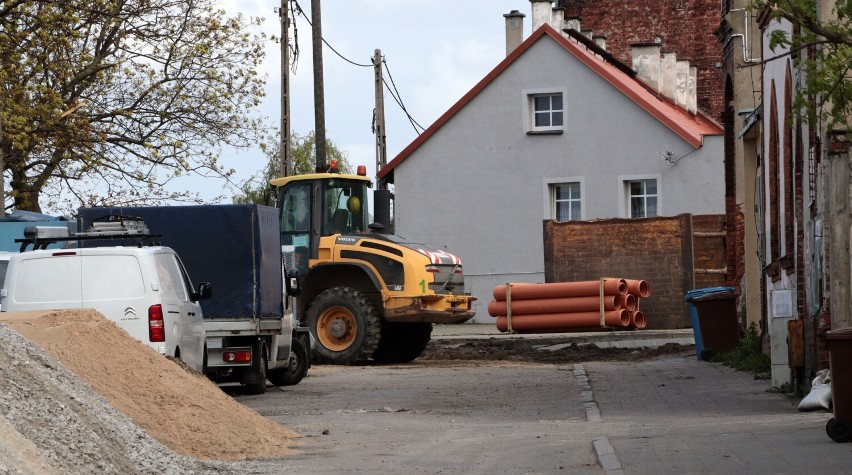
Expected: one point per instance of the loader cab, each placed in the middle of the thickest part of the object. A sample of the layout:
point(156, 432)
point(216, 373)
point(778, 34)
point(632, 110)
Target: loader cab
point(321, 204)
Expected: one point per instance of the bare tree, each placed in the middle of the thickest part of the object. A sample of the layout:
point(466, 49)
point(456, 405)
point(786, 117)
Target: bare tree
point(106, 101)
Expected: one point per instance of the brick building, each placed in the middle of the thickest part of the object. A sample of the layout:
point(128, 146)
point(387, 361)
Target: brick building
point(686, 27)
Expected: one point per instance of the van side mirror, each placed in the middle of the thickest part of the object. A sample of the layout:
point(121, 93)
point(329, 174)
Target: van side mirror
point(293, 282)
point(205, 291)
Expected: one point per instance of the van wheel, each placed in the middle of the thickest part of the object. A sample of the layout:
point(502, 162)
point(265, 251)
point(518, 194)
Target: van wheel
point(297, 366)
point(345, 324)
point(255, 379)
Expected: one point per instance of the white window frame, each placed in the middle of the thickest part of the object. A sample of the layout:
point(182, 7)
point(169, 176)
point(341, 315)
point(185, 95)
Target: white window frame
point(528, 98)
point(624, 191)
point(550, 185)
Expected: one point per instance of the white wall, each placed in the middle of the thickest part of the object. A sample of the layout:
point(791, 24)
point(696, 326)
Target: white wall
point(477, 186)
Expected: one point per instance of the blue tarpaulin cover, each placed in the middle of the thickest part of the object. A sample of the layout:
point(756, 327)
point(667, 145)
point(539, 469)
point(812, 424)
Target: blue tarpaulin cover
point(236, 248)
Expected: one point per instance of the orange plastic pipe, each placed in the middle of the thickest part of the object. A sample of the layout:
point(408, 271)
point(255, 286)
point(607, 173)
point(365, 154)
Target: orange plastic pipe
point(639, 288)
point(638, 320)
point(554, 321)
point(497, 308)
point(556, 290)
point(628, 301)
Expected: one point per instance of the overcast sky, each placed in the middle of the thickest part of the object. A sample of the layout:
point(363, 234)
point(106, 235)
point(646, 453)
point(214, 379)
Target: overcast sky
point(435, 50)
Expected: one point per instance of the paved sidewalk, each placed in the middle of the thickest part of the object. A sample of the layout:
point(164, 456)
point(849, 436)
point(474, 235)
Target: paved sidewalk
point(677, 415)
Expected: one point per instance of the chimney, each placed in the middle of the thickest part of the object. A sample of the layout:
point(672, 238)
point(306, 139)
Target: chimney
point(668, 77)
point(572, 23)
point(557, 19)
point(646, 63)
point(514, 30)
point(542, 12)
point(600, 40)
point(682, 75)
point(692, 90)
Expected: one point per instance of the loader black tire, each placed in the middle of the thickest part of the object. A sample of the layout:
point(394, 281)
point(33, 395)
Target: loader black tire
point(297, 365)
point(402, 342)
point(345, 324)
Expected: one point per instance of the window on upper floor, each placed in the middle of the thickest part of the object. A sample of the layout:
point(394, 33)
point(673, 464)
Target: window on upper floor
point(547, 112)
point(544, 111)
point(642, 197)
point(566, 201)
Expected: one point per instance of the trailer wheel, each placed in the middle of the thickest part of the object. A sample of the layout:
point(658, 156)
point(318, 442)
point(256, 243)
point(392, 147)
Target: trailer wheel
point(255, 379)
point(297, 366)
point(345, 324)
point(402, 342)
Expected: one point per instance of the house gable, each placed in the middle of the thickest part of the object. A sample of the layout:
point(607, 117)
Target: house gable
point(691, 128)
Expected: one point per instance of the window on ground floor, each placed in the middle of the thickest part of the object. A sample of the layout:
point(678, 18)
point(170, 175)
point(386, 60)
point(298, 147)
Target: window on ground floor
point(567, 201)
point(642, 198)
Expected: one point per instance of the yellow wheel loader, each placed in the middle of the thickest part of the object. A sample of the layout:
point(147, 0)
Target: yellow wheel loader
point(363, 294)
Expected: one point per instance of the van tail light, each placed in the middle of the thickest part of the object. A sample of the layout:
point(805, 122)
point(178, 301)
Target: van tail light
point(156, 326)
point(239, 356)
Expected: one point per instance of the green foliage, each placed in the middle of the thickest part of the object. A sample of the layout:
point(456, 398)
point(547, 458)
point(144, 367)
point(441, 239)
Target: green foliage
point(821, 46)
point(106, 101)
point(748, 355)
point(257, 189)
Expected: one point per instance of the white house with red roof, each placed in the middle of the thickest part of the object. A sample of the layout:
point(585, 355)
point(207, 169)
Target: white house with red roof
point(558, 130)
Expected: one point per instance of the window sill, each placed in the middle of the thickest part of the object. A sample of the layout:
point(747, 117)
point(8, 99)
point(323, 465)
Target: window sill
point(544, 132)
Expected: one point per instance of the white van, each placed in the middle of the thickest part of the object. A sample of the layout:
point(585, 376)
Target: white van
point(144, 290)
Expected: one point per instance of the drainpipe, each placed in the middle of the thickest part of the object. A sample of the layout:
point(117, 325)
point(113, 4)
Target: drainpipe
point(743, 36)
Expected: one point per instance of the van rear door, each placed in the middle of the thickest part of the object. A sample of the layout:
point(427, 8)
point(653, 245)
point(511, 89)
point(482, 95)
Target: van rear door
point(113, 285)
point(44, 280)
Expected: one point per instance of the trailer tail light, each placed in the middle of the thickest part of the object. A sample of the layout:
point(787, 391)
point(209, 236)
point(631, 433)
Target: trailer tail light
point(156, 326)
point(432, 269)
point(236, 356)
point(458, 270)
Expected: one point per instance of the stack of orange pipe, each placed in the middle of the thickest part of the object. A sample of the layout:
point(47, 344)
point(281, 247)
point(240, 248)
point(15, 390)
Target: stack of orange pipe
point(569, 306)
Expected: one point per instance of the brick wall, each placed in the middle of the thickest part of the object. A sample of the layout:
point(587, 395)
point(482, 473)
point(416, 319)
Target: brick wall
point(658, 250)
point(686, 27)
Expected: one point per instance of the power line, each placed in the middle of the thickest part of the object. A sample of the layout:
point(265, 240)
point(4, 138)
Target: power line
point(398, 98)
point(299, 8)
point(394, 92)
point(295, 48)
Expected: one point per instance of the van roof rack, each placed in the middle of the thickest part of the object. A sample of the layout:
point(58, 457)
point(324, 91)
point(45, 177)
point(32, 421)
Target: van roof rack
point(108, 227)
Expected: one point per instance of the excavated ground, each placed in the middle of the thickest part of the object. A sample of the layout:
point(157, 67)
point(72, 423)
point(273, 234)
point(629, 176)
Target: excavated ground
point(538, 350)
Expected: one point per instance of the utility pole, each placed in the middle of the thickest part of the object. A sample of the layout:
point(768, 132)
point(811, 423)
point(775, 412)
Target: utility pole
point(319, 95)
point(381, 139)
point(284, 147)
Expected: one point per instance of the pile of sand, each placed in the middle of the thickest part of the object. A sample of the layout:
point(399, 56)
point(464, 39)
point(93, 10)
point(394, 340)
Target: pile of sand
point(180, 408)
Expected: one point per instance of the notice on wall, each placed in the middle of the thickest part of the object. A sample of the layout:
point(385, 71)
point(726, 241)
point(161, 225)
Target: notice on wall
point(782, 303)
